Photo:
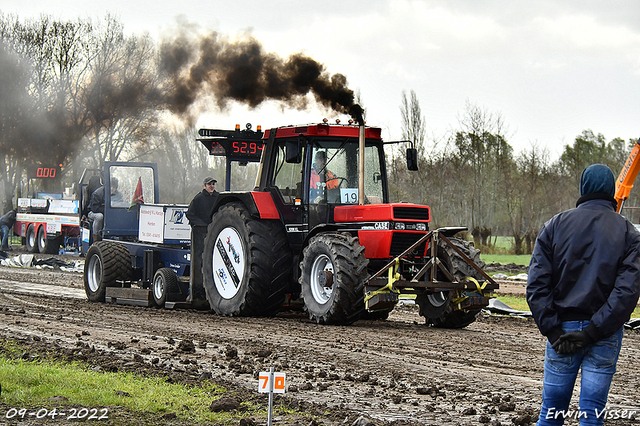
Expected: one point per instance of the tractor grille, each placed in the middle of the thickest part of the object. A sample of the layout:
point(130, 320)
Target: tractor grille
point(410, 213)
point(400, 241)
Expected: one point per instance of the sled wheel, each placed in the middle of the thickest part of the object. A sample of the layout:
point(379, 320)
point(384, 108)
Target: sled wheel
point(32, 240)
point(106, 263)
point(437, 307)
point(165, 281)
point(246, 263)
point(333, 271)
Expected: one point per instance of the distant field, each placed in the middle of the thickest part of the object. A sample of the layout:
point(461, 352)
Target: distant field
point(502, 242)
point(520, 303)
point(521, 259)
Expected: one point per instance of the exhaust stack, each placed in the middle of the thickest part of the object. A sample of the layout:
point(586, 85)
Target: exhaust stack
point(361, 164)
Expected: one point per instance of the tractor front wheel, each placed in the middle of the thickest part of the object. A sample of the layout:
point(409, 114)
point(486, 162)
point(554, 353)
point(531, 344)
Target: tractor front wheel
point(437, 308)
point(333, 271)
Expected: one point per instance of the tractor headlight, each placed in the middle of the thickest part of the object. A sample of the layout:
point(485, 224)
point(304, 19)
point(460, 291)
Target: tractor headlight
point(421, 226)
point(399, 226)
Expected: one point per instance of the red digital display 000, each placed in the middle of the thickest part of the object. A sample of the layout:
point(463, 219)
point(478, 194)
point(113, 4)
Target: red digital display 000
point(43, 172)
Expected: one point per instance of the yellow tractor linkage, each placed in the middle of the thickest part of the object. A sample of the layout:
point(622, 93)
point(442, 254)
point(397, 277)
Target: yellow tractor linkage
point(383, 293)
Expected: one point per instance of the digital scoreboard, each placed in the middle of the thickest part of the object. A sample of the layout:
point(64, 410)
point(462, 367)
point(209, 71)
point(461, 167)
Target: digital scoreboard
point(240, 145)
point(43, 172)
point(237, 149)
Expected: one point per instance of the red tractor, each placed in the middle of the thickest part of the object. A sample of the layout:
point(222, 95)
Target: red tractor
point(319, 224)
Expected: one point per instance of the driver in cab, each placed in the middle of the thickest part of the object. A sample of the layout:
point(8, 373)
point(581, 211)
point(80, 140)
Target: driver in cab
point(320, 175)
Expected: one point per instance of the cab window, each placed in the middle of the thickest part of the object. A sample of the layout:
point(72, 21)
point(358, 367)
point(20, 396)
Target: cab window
point(287, 177)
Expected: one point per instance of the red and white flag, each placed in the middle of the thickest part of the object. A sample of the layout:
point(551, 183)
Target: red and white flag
point(138, 197)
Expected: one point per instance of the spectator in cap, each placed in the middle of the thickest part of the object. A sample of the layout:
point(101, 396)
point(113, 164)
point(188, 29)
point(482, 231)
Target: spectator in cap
point(199, 215)
point(583, 284)
point(200, 208)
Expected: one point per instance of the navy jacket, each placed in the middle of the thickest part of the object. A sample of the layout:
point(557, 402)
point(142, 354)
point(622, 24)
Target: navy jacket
point(96, 202)
point(585, 266)
point(200, 208)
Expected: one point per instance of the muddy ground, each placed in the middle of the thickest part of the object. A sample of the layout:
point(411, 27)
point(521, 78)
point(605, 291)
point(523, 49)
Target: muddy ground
point(394, 371)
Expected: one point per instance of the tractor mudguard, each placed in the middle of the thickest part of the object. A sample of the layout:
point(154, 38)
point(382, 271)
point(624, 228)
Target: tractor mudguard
point(259, 204)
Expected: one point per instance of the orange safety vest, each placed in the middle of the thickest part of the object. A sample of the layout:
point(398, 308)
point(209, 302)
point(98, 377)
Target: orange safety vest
point(330, 179)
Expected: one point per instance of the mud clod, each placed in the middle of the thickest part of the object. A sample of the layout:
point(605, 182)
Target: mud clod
point(186, 346)
point(225, 404)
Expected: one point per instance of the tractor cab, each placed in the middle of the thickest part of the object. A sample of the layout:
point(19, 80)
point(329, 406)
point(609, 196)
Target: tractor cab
point(310, 170)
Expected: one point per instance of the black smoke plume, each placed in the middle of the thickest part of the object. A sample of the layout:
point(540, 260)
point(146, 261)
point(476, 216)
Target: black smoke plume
point(30, 134)
point(241, 71)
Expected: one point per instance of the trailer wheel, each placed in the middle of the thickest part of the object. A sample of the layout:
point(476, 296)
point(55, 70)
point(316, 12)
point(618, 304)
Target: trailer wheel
point(333, 271)
point(165, 281)
point(246, 263)
point(437, 307)
point(47, 245)
point(106, 263)
point(31, 239)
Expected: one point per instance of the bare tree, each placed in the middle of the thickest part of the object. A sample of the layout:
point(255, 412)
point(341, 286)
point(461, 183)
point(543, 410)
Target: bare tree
point(482, 147)
point(403, 184)
point(183, 163)
point(413, 122)
point(121, 96)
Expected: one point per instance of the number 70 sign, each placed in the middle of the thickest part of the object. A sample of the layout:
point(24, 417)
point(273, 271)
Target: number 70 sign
point(264, 384)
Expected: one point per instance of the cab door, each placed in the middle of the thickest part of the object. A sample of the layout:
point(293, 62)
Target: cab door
point(287, 183)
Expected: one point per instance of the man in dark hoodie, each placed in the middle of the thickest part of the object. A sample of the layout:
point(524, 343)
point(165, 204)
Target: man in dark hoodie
point(584, 283)
point(6, 223)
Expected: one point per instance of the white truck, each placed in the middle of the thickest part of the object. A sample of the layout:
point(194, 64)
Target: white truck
point(47, 224)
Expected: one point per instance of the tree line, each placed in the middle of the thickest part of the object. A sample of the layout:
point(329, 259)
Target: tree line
point(473, 178)
point(79, 93)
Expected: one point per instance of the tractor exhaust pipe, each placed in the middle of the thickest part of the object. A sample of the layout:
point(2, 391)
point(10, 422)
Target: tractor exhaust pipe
point(361, 164)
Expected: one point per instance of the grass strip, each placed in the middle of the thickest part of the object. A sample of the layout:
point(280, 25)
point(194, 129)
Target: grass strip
point(33, 383)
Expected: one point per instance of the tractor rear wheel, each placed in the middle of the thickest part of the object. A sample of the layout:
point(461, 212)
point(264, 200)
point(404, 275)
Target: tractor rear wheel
point(106, 263)
point(246, 263)
point(333, 272)
point(437, 308)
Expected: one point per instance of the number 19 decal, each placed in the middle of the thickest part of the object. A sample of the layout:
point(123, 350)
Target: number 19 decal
point(349, 195)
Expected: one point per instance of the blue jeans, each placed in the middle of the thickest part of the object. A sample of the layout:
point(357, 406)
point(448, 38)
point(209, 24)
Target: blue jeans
point(598, 363)
point(5, 236)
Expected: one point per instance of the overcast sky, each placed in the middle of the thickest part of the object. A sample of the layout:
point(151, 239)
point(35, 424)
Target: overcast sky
point(550, 68)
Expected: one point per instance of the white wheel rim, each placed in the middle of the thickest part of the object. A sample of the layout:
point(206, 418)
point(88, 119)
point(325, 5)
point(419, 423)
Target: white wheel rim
point(41, 240)
point(321, 284)
point(228, 262)
point(32, 239)
point(438, 299)
point(94, 273)
point(158, 286)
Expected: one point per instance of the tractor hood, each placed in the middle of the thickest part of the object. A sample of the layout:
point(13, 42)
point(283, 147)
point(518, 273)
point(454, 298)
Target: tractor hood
point(382, 212)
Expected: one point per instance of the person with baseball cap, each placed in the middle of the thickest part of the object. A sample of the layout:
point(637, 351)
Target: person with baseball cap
point(199, 212)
